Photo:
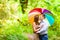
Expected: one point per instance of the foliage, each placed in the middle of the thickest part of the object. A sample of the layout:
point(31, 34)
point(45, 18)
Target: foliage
point(13, 24)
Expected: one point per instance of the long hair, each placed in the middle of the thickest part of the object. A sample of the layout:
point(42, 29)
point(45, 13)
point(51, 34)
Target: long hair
point(36, 19)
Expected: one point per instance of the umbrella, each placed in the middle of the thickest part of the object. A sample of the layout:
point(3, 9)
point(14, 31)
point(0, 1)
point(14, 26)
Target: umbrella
point(41, 11)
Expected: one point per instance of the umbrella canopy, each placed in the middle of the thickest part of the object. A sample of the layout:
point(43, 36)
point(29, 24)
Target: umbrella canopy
point(38, 11)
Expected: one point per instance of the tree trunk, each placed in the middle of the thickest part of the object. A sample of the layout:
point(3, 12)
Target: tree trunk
point(24, 4)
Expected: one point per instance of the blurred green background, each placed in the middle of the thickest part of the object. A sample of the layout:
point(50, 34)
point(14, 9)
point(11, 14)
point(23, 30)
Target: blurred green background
point(14, 18)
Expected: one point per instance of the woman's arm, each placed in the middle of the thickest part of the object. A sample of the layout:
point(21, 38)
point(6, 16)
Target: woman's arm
point(35, 28)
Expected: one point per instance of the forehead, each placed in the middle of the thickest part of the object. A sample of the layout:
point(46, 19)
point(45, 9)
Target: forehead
point(41, 15)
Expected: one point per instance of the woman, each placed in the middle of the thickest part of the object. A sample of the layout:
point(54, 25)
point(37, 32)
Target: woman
point(36, 27)
point(36, 23)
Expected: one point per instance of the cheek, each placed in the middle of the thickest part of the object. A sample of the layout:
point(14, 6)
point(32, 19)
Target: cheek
point(40, 17)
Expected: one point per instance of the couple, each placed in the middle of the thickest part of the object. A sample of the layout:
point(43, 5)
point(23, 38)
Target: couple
point(40, 27)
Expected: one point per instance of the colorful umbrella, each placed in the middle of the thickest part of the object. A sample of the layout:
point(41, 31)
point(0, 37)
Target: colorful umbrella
point(41, 11)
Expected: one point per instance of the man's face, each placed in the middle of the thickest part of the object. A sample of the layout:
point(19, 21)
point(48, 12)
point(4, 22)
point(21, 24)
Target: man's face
point(41, 17)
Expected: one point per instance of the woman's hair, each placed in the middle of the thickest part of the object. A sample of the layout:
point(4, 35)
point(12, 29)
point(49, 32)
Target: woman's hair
point(36, 18)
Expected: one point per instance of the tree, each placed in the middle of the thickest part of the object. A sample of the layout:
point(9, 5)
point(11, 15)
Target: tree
point(24, 4)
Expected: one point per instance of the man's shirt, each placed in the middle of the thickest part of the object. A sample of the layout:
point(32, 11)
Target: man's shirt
point(44, 27)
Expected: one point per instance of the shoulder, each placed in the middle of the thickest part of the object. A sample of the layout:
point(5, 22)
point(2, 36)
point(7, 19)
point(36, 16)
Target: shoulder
point(45, 22)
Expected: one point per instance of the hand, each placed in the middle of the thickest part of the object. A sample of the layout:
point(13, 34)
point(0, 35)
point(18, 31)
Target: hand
point(36, 30)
